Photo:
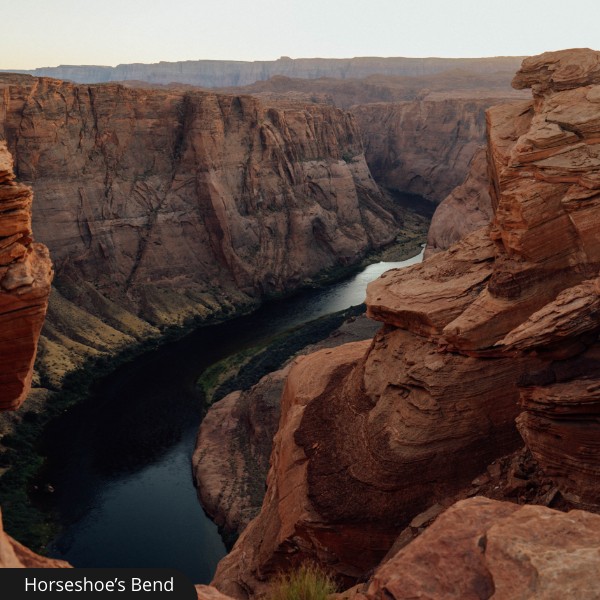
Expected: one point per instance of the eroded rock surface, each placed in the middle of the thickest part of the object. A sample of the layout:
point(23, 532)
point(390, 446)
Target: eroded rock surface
point(231, 459)
point(467, 208)
point(422, 147)
point(234, 443)
point(25, 277)
point(429, 404)
point(480, 549)
point(207, 592)
point(164, 205)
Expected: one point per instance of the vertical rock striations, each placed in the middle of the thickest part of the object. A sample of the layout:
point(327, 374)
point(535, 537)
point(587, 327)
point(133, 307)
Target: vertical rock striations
point(25, 276)
point(467, 208)
point(163, 205)
point(372, 434)
point(422, 147)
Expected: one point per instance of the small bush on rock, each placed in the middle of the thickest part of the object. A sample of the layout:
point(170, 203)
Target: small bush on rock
point(308, 582)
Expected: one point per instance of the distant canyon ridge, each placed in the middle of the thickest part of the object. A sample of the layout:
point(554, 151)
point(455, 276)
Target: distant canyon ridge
point(223, 73)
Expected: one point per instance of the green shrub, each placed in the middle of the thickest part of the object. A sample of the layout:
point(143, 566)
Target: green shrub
point(308, 582)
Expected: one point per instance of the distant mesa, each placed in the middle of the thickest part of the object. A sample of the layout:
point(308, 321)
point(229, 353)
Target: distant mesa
point(225, 73)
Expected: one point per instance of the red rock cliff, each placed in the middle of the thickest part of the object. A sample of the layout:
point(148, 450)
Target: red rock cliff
point(164, 205)
point(25, 276)
point(371, 434)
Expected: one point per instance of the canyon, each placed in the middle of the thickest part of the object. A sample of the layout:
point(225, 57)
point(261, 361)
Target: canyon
point(267, 192)
point(163, 205)
point(160, 206)
point(503, 323)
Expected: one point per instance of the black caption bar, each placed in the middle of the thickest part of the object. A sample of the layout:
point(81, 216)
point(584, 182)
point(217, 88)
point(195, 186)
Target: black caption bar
point(95, 584)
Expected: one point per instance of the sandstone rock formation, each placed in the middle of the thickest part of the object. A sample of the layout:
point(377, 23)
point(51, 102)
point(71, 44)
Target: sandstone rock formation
point(159, 206)
point(480, 549)
point(422, 147)
point(429, 403)
point(25, 276)
point(207, 592)
point(467, 208)
point(232, 453)
point(234, 443)
point(345, 93)
point(222, 73)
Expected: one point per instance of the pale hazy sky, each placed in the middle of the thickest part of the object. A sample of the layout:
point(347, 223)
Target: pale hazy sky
point(38, 33)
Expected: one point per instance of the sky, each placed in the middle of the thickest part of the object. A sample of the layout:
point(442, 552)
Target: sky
point(40, 33)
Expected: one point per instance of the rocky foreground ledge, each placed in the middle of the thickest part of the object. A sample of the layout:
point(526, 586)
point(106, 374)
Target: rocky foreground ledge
point(373, 433)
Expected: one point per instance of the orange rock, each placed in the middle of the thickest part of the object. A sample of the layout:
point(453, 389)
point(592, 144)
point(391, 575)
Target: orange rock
point(25, 276)
point(482, 548)
point(560, 426)
point(561, 70)
point(368, 442)
point(207, 592)
point(426, 297)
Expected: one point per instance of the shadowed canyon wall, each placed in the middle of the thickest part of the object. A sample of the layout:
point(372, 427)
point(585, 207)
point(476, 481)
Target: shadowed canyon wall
point(371, 433)
point(466, 208)
point(422, 147)
point(420, 133)
point(159, 206)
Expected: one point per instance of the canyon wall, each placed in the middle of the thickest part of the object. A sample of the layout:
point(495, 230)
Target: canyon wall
point(25, 277)
point(160, 206)
point(465, 209)
point(221, 73)
point(420, 133)
point(345, 93)
point(422, 147)
point(372, 433)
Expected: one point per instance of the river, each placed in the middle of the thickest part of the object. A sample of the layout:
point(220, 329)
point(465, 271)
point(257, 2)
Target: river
point(120, 464)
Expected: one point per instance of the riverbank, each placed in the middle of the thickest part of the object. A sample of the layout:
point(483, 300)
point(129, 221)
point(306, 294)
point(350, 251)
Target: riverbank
point(26, 497)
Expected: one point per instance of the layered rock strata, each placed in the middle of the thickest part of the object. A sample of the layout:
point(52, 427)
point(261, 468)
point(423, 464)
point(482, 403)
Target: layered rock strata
point(25, 277)
point(467, 208)
point(159, 206)
point(432, 400)
point(480, 549)
point(464, 84)
point(231, 459)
